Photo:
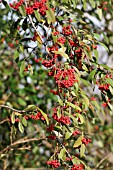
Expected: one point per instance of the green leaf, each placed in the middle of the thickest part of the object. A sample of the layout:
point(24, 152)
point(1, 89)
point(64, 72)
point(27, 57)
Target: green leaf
point(110, 81)
point(68, 135)
point(24, 121)
point(44, 115)
point(106, 39)
point(63, 54)
point(30, 70)
point(103, 45)
point(22, 67)
point(59, 112)
point(74, 3)
point(21, 128)
point(82, 150)
point(91, 75)
point(96, 53)
point(105, 66)
point(111, 89)
point(50, 16)
point(22, 10)
point(74, 106)
point(96, 35)
point(99, 12)
point(74, 160)
point(85, 82)
point(30, 108)
point(78, 142)
point(37, 15)
point(21, 102)
point(96, 105)
point(84, 4)
point(21, 47)
point(60, 102)
point(62, 154)
point(92, 2)
point(16, 54)
point(13, 118)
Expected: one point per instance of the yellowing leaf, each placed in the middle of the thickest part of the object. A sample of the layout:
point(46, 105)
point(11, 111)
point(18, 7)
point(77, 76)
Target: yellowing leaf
point(82, 150)
point(68, 135)
point(38, 38)
point(74, 106)
point(21, 128)
point(13, 118)
point(50, 16)
point(63, 54)
point(78, 142)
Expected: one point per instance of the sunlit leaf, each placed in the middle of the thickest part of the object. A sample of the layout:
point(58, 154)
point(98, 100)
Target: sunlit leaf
point(21, 128)
point(78, 142)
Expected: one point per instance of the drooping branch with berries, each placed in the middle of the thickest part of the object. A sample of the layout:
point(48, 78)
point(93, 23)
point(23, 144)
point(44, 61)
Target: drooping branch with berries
point(46, 35)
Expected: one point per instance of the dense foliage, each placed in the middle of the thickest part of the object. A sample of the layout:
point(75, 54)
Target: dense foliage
point(55, 92)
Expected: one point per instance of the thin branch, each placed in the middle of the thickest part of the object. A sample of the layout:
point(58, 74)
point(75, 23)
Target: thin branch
point(59, 141)
point(20, 142)
point(3, 121)
point(15, 110)
point(102, 160)
point(30, 19)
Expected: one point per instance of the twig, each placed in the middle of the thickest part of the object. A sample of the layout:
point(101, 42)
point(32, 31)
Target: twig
point(15, 110)
point(62, 145)
point(102, 160)
point(5, 120)
point(20, 142)
point(33, 24)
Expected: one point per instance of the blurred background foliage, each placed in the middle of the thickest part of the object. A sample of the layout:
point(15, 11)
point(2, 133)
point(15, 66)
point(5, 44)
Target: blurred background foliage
point(18, 90)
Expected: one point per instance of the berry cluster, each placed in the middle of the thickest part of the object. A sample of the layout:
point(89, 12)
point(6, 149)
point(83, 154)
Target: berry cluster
point(54, 163)
point(72, 43)
point(48, 63)
point(66, 30)
point(86, 141)
point(50, 128)
point(40, 5)
point(76, 132)
point(61, 40)
point(52, 137)
point(65, 78)
point(63, 119)
point(56, 33)
point(38, 116)
point(16, 5)
point(55, 92)
point(78, 167)
point(78, 52)
point(104, 87)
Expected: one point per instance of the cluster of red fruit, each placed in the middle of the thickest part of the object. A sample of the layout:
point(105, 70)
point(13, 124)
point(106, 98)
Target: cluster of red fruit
point(86, 141)
point(104, 87)
point(63, 119)
point(40, 5)
point(66, 30)
point(38, 116)
point(16, 5)
point(52, 137)
point(76, 132)
point(54, 163)
point(48, 63)
point(65, 78)
point(78, 167)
